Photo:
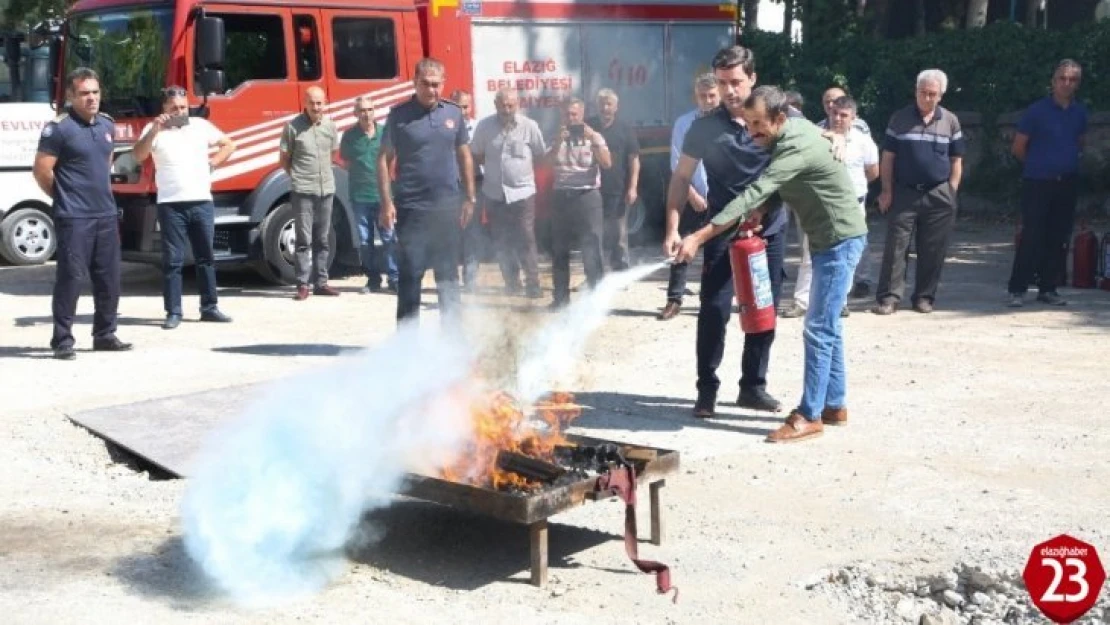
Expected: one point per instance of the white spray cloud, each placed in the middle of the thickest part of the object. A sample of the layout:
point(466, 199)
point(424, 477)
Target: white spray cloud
point(276, 494)
point(559, 344)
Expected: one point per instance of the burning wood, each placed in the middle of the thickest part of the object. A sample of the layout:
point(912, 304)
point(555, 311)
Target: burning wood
point(512, 448)
point(529, 467)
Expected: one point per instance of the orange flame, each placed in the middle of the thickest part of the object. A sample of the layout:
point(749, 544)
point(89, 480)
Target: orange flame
point(500, 423)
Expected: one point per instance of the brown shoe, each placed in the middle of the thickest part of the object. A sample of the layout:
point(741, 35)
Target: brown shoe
point(885, 307)
point(797, 428)
point(326, 290)
point(834, 416)
point(302, 293)
point(670, 311)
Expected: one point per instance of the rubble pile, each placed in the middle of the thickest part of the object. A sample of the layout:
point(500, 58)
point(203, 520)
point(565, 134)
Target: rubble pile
point(965, 595)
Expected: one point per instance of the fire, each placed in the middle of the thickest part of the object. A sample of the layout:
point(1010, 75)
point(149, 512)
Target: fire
point(499, 423)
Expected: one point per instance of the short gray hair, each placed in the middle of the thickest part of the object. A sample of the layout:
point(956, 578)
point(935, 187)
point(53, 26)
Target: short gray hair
point(361, 100)
point(933, 75)
point(428, 64)
point(705, 82)
point(503, 93)
point(1068, 64)
point(608, 94)
point(573, 101)
point(79, 74)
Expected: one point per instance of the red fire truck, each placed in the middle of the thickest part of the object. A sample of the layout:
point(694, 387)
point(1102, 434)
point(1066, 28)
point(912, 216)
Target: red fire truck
point(247, 64)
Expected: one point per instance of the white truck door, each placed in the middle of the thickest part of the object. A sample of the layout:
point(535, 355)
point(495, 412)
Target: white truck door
point(543, 62)
point(690, 49)
point(627, 58)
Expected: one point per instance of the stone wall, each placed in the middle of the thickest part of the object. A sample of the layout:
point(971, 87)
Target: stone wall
point(1000, 176)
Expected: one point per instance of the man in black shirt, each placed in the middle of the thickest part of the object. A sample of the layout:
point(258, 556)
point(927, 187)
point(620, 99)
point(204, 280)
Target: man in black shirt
point(732, 161)
point(619, 182)
point(73, 166)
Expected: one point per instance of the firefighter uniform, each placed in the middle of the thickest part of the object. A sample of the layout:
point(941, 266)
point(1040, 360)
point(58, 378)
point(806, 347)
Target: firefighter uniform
point(87, 223)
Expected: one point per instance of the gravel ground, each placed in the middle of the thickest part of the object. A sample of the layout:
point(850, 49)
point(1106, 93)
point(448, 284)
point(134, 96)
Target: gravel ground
point(975, 434)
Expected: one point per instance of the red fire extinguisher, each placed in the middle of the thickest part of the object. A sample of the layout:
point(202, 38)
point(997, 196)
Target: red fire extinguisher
point(1084, 259)
point(752, 281)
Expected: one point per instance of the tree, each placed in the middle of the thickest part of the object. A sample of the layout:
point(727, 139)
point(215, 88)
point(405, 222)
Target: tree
point(751, 15)
point(977, 13)
point(23, 13)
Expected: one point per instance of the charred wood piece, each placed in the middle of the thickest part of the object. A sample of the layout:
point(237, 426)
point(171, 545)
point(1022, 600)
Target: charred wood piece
point(529, 467)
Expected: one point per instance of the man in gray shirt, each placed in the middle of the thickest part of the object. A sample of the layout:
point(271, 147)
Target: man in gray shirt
point(307, 145)
point(507, 145)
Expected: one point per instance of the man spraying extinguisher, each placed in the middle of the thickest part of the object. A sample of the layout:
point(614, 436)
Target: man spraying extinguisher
point(809, 178)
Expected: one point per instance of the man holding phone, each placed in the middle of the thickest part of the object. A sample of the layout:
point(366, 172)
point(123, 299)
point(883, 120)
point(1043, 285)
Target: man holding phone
point(578, 154)
point(183, 168)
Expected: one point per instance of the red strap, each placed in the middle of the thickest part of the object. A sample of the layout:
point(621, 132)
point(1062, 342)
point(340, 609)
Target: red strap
point(621, 481)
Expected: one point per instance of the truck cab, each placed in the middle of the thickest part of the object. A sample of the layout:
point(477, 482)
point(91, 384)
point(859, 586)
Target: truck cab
point(246, 66)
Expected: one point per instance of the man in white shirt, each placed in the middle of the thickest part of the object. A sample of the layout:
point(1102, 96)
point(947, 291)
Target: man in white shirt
point(180, 146)
point(507, 145)
point(861, 157)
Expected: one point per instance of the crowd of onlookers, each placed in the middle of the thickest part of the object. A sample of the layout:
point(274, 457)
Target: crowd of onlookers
point(436, 190)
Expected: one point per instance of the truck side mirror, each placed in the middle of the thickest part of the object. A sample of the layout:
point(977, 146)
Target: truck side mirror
point(212, 81)
point(211, 43)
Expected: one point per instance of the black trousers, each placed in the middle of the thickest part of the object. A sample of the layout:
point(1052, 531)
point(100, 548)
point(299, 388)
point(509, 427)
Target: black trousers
point(933, 212)
point(87, 248)
point(688, 222)
point(576, 219)
point(428, 239)
point(1047, 215)
point(716, 309)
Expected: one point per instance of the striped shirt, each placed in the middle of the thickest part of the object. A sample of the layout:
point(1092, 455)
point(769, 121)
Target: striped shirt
point(923, 152)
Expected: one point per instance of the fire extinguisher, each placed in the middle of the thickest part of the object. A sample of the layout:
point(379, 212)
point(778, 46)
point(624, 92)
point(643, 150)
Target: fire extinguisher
point(1105, 262)
point(1084, 259)
point(752, 281)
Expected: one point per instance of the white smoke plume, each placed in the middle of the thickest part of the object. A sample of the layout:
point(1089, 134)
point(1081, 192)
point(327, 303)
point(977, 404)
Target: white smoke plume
point(276, 495)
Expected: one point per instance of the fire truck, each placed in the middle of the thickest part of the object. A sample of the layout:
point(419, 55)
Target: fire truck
point(247, 64)
point(26, 228)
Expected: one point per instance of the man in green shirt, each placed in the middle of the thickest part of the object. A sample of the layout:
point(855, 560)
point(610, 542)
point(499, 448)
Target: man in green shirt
point(817, 187)
point(359, 150)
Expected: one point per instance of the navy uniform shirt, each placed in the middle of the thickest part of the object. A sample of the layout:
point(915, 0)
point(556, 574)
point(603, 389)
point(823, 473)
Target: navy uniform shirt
point(83, 172)
point(732, 162)
point(1054, 138)
point(923, 152)
point(425, 142)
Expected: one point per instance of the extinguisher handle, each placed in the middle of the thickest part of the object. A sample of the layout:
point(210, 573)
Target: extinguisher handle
point(748, 228)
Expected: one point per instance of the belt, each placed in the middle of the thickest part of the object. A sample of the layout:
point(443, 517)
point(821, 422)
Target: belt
point(923, 188)
point(575, 191)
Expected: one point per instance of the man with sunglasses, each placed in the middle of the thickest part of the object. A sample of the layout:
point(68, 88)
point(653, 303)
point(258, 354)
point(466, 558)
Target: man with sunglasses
point(426, 139)
point(183, 169)
point(359, 150)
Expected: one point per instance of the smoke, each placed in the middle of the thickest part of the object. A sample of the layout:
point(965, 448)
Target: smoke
point(277, 494)
point(556, 347)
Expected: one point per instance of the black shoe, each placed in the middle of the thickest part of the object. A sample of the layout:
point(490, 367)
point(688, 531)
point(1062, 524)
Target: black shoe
point(1052, 299)
point(533, 292)
point(558, 304)
point(372, 286)
point(216, 316)
point(706, 406)
point(65, 353)
point(111, 345)
point(171, 322)
point(758, 399)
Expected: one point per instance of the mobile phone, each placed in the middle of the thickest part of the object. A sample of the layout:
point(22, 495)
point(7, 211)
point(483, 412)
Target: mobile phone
point(577, 131)
point(177, 121)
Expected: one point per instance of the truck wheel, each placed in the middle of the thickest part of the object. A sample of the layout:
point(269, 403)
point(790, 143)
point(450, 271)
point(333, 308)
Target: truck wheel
point(27, 237)
point(279, 246)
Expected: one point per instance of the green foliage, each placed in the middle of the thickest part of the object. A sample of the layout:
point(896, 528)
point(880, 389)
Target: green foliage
point(995, 70)
point(20, 14)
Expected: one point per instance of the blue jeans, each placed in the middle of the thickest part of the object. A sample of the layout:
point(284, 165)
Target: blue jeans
point(367, 214)
point(192, 224)
point(825, 384)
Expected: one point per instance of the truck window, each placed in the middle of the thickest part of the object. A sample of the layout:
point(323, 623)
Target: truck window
point(365, 48)
point(255, 48)
point(308, 47)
